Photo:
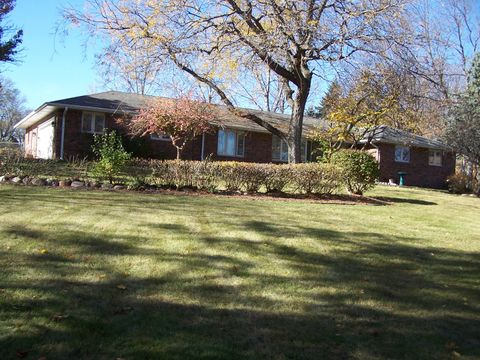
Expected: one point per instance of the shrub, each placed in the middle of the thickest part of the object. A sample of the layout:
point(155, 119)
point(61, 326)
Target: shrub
point(359, 170)
point(316, 178)
point(459, 183)
point(230, 173)
point(58, 169)
point(111, 155)
point(253, 176)
point(206, 175)
point(277, 177)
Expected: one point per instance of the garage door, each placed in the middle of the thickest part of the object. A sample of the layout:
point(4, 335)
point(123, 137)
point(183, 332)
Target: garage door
point(45, 140)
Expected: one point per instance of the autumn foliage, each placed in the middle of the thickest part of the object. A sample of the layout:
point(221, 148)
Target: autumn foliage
point(181, 119)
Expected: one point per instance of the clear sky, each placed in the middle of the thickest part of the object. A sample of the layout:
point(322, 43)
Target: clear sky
point(51, 68)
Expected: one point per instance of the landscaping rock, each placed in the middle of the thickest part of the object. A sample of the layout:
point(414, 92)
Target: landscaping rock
point(77, 184)
point(64, 183)
point(107, 186)
point(3, 179)
point(39, 182)
point(26, 180)
point(119, 187)
point(54, 183)
point(16, 180)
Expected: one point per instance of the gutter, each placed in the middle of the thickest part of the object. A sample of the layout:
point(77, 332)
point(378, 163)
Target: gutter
point(62, 138)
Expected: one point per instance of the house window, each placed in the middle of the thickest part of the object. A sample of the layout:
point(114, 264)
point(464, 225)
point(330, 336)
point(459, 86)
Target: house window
point(280, 149)
point(435, 158)
point(231, 143)
point(93, 123)
point(162, 137)
point(402, 154)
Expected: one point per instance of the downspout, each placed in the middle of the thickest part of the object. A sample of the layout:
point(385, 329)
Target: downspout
point(62, 138)
point(202, 155)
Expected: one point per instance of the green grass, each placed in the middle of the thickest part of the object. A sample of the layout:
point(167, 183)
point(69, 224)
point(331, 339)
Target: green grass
point(98, 275)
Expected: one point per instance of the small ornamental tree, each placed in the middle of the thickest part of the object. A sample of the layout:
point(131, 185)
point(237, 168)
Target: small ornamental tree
point(181, 119)
point(359, 170)
point(111, 155)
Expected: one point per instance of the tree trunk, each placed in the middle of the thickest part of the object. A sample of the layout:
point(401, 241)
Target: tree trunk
point(294, 137)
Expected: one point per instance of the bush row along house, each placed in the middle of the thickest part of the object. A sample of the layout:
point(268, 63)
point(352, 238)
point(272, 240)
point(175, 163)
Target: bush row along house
point(64, 128)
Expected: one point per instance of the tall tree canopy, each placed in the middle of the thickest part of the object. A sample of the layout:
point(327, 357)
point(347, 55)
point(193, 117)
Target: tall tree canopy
point(463, 124)
point(215, 41)
point(8, 47)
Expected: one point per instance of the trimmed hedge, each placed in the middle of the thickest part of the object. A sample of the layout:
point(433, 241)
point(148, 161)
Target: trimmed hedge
point(210, 176)
point(57, 169)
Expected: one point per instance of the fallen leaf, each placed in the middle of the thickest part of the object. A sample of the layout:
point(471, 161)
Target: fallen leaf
point(21, 354)
point(44, 251)
point(121, 287)
point(60, 317)
point(450, 345)
point(122, 310)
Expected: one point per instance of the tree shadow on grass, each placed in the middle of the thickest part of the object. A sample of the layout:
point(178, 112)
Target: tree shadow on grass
point(369, 299)
point(397, 200)
point(247, 292)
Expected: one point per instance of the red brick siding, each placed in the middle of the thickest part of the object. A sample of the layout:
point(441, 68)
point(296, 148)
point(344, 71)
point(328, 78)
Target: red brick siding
point(419, 172)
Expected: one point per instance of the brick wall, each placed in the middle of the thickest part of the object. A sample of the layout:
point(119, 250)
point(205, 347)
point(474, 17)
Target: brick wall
point(419, 172)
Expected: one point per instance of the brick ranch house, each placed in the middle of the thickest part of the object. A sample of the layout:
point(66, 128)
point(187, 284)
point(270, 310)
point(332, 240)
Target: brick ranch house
point(64, 128)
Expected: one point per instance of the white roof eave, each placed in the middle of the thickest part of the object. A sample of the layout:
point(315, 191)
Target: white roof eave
point(35, 116)
point(48, 108)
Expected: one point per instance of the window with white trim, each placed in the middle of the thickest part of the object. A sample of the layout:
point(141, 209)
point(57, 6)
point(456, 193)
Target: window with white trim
point(93, 123)
point(435, 158)
point(162, 137)
point(231, 143)
point(280, 149)
point(402, 154)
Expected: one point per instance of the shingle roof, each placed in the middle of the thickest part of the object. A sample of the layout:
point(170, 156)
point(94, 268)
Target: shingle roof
point(121, 102)
point(128, 103)
point(386, 134)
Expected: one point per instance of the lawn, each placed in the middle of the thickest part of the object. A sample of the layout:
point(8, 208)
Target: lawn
point(99, 275)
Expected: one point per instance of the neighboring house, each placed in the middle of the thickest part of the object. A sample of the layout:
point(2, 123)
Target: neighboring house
point(64, 128)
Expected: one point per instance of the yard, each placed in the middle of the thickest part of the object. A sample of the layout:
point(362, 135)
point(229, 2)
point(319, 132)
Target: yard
point(101, 275)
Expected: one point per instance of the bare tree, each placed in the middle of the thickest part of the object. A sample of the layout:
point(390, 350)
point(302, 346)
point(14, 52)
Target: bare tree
point(213, 40)
point(263, 90)
point(130, 68)
point(12, 110)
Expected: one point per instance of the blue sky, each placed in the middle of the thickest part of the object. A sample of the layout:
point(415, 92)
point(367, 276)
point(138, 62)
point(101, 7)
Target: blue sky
point(50, 68)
